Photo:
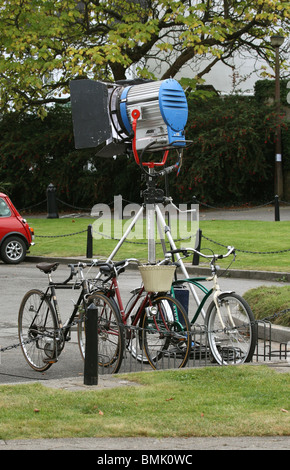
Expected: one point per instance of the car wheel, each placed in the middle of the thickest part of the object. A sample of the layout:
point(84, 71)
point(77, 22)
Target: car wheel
point(13, 250)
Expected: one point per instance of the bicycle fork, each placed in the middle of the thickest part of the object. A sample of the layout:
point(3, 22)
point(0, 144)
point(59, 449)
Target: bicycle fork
point(217, 293)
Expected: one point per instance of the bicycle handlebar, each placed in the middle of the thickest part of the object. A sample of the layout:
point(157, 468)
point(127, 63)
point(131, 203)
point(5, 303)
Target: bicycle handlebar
point(116, 267)
point(185, 252)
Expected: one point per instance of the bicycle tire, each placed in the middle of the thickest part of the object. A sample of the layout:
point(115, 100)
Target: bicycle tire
point(110, 332)
point(132, 341)
point(231, 343)
point(166, 338)
point(37, 331)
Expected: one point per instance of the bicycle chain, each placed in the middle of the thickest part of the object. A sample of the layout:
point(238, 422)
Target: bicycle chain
point(27, 341)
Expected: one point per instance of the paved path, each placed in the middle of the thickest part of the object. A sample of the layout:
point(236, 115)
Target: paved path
point(266, 213)
point(169, 445)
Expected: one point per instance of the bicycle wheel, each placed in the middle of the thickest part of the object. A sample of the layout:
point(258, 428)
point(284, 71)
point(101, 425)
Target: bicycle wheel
point(110, 332)
point(231, 331)
point(133, 343)
point(38, 332)
point(165, 333)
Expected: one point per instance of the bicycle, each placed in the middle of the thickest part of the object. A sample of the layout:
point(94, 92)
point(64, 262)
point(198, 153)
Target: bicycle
point(43, 335)
point(41, 331)
point(155, 323)
point(229, 320)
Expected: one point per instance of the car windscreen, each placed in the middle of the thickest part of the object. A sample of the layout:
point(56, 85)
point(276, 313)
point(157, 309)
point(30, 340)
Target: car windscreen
point(4, 209)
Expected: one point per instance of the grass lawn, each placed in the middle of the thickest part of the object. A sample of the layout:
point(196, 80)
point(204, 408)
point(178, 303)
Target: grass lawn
point(211, 401)
point(253, 236)
point(265, 301)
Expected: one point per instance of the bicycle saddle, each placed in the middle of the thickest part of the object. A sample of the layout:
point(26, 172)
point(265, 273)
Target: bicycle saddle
point(109, 268)
point(47, 267)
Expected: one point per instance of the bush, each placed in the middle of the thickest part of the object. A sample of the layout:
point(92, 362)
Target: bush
point(35, 153)
point(231, 158)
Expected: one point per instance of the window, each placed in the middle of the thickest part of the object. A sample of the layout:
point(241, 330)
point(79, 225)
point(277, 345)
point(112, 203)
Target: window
point(4, 209)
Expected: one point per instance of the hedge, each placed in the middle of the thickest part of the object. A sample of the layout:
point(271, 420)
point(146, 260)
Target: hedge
point(230, 160)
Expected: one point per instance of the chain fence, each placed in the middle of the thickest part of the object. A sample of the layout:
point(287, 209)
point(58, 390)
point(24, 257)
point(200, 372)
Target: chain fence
point(194, 200)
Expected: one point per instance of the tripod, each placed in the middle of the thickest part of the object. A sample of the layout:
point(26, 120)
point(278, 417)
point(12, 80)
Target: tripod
point(152, 197)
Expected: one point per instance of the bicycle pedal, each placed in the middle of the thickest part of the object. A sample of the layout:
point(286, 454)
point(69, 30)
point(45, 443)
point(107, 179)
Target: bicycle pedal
point(50, 361)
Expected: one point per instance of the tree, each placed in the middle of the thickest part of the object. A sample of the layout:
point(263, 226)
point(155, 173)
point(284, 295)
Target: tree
point(46, 43)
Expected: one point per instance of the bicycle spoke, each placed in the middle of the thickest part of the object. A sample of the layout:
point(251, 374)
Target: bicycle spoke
point(231, 330)
point(166, 342)
point(40, 342)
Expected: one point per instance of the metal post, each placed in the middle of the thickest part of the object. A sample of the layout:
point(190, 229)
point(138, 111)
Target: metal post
point(276, 42)
point(150, 226)
point(91, 349)
point(278, 145)
point(90, 241)
point(195, 259)
point(52, 212)
point(277, 209)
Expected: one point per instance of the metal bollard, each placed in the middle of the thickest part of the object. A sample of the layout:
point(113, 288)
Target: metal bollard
point(195, 259)
point(52, 212)
point(90, 241)
point(277, 209)
point(91, 349)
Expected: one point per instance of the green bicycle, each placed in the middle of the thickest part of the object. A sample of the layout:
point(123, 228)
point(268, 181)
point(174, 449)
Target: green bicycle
point(229, 320)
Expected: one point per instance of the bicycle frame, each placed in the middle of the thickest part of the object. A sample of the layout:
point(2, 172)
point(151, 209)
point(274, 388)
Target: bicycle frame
point(125, 315)
point(51, 295)
point(114, 287)
point(196, 282)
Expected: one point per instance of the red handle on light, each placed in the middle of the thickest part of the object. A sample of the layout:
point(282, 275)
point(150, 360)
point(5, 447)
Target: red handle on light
point(135, 115)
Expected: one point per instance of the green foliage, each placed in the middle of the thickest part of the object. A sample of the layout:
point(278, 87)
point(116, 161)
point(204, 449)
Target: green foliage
point(105, 40)
point(286, 147)
point(231, 158)
point(265, 93)
point(265, 90)
point(35, 152)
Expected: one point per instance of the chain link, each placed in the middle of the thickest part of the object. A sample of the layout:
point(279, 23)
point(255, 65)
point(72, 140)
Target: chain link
point(247, 251)
point(276, 315)
point(60, 236)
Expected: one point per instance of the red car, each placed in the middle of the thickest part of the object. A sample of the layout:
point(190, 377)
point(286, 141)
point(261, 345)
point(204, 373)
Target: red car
point(15, 234)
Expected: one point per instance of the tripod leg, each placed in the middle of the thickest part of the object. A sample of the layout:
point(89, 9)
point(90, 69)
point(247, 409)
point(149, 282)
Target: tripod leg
point(150, 224)
point(121, 241)
point(172, 244)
